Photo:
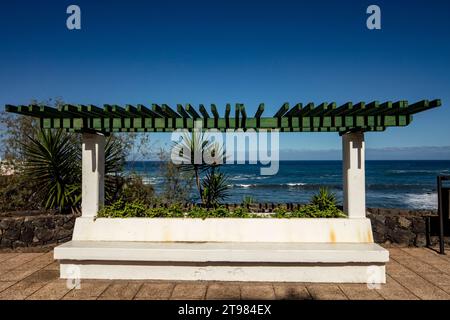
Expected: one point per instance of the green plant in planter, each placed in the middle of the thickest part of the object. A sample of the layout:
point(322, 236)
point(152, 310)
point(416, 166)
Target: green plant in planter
point(52, 161)
point(215, 187)
point(247, 200)
point(324, 199)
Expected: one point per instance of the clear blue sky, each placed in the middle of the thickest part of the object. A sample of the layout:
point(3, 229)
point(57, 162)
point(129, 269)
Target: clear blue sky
point(131, 52)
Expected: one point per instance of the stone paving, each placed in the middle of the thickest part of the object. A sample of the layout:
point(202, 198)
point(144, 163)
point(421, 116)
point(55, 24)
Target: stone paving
point(412, 273)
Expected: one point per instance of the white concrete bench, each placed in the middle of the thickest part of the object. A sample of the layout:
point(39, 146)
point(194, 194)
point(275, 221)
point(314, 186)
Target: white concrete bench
point(225, 261)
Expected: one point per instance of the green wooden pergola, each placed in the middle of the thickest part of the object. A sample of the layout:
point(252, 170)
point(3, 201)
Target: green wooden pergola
point(350, 120)
point(325, 117)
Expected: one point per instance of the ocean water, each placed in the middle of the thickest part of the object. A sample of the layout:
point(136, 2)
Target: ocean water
point(389, 184)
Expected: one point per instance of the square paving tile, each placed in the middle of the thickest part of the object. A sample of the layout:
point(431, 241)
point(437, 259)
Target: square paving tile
point(257, 292)
point(189, 291)
point(155, 291)
point(223, 291)
point(121, 290)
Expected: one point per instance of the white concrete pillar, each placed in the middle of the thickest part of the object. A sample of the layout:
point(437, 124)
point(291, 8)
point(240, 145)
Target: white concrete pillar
point(354, 188)
point(93, 173)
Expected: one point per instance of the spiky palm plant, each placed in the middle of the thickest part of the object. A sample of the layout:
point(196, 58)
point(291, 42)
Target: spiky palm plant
point(190, 150)
point(215, 187)
point(52, 162)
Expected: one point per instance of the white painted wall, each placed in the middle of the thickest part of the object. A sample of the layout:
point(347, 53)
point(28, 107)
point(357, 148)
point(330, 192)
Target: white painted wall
point(336, 230)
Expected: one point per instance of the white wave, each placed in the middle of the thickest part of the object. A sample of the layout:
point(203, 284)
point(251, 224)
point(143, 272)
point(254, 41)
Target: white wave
point(295, 184)
point(151, 180)
point(422, 200)
point(241, 185)
point(413, 171)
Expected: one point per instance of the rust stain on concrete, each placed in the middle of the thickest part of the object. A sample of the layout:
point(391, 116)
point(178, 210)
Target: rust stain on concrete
point(332, 235)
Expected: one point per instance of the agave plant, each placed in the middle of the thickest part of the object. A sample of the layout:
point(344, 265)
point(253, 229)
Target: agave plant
point(324, 199)
point(52, 161)
point(215, 187)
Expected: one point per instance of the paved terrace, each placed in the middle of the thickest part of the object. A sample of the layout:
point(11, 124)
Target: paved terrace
point(412, 273)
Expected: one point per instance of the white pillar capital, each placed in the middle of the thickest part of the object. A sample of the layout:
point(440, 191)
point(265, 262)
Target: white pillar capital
point(354, 188)
point(93, 173)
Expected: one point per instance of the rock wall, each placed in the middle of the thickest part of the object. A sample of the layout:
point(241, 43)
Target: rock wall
point(32, 229)
point(404, 227)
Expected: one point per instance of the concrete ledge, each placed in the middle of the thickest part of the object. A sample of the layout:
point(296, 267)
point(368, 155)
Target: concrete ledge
point(319, 230)
point(223, 252)
point(330, 274)
point(291, 262)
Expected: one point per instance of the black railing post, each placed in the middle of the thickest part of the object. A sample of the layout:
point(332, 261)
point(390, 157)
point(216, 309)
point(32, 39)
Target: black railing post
point(441, 215)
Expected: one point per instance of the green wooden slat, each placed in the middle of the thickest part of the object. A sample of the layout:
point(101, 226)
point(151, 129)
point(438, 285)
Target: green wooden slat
point(357, 109)
point(237, 111)
point(331, 107)
point(319, 110)
point(182, 112)
point(227, 111)
point(343, 109)
point(260, 110)
point(398, 107)
point(385, 107)
point(91, 109)
point(306, 110)
point(117, 110)
point(371, 108)
point(131, 110)
point(244, 116)
point(243, 112)
point(158, 110)
point(144, 111)
point(214, 111)
point(190, 109)
point(169, 111)
point(203, 111)
point(283, 109)
point(71, 111)
point(295, 110)
point(422, 106)
point(11, 108)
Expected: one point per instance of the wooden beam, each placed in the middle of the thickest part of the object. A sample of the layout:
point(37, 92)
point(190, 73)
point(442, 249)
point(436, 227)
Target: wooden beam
point(190, 109)
point(283, 109)
point(144, 111)
point(182, 112)
point(214, 111)
point(295, 110)
point(203, 112)
point(260, 110)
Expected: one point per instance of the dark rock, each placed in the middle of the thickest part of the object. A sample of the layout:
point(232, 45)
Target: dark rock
point(18, 244)
point(12, 234)
point(27, 235)
point(44, 234)
point(6, 223)
point(421, 240)
point(6, 243)
point(419, 225)
point(403, 237)
point(404, 222)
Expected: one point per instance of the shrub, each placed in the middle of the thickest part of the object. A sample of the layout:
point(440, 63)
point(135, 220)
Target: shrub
point(324, 199)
